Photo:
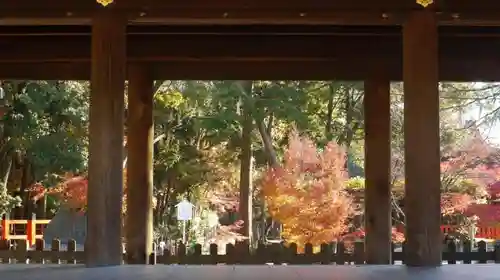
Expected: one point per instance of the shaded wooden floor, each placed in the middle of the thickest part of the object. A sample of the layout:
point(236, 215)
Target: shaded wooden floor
point(240, 272)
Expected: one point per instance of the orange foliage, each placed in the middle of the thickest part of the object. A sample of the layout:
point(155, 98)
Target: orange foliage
point(72, 191)
point(359, 235)
point(452, 203)
point(307, 193)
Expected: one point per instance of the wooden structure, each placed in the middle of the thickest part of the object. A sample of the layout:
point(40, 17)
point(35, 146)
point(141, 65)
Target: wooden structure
point(142, 40)
point(34, 230)
point(451, 252)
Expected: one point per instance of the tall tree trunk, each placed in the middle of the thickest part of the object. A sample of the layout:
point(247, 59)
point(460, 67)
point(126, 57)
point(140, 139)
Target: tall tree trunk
point(26, 181)
point(329, 114)
point(265, 133)
point(41, 208)
point(7, 172)
point(24, 211)
point(268, 144)
point(245, 205)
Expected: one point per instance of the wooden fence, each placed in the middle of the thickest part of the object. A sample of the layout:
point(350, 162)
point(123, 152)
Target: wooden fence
point(241, 254)
point(34, 230)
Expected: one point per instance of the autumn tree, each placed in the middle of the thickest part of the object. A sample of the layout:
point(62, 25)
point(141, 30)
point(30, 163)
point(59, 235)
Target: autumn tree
point(307, 193)
point(71, 192)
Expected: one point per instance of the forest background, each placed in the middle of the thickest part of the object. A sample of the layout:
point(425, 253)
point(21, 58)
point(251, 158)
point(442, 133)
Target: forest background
point(218, 143)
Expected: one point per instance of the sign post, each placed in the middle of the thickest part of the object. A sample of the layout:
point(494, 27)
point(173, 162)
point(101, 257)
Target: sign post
point(184, 213)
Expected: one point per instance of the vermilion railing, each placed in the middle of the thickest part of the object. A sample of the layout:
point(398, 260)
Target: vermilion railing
point(481, 232)
point(31, 233)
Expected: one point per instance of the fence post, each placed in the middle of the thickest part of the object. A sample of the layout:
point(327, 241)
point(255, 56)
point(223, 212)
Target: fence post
point(326, 253)
point(181, 253)
point(359, 253)
point(195, 257)
point(153, 257)
point(497, 251)
point(451, 254)
point(55, 249)
point(278, 253)
point(31, 230)
point(292, 256)
point(340, 255)
point(39, 247)
point(405, 251)
point(482, 253)
point(309, 254)
point(393, 255)
point(5, 225)
point(230, 254)
point(21, 254)
point(214, 254)
point(467, 259)
point(71, 248)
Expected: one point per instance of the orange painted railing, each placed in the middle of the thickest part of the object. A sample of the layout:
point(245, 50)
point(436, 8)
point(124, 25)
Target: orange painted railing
point(31, 235)
point(481, 232)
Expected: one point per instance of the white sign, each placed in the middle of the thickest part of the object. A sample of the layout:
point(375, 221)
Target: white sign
point(184, 210)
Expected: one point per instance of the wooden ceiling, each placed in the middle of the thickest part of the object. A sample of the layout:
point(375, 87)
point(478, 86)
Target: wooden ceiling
point(248, 39)
point(345, 12)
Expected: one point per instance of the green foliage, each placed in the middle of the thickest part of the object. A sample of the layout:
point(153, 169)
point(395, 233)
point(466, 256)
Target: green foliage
point(7, 201)
point(47, 122)
point(44, 131)
point(355, 183)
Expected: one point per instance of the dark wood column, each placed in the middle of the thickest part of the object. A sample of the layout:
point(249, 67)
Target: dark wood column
point(139, 224)
point(105, 192)
point(377, 171)
point(421, 129)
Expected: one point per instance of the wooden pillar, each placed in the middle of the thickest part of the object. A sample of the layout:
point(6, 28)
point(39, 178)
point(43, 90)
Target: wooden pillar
point(377, 171)
point(105, 192)
point(139, 224)
point(421, 129)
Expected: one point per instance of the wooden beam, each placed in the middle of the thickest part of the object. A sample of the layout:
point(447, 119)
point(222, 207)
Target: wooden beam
point(258, 11)
point(149, 48)
point(139, 224)
point(191, 55)
point(346, 69)
point(248, 30)
point(378, 222)
point(126, 5)
point(155, 48)
point(219, 12)
point(422, 145)
point(105, 193)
